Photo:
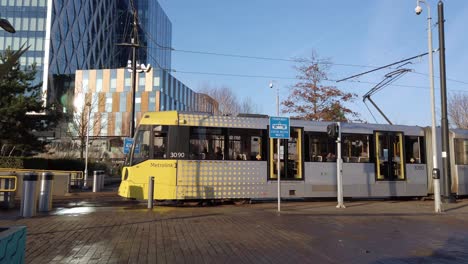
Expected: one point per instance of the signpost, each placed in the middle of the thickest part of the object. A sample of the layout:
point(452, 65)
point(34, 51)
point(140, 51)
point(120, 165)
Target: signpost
point(279, 128)
point(128, 142)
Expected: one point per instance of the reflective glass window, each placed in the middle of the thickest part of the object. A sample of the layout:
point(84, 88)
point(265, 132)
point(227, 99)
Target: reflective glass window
point(123, 102)
point(319, 147)
point(109, 102)
point(206, 143)
point(40, 24)
point(461, 151)
point(102, 128)
point(99, 81)
point(141, 148)
point(118, 123)
point(414, 150)
point(355, 147)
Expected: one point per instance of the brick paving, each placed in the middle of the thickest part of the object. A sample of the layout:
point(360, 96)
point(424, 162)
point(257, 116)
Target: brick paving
point(106, 229)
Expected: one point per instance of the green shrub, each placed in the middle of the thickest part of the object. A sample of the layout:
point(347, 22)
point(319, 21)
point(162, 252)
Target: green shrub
point(51, 164)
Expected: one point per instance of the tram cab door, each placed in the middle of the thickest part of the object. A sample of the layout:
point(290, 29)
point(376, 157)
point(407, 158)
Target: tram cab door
point(390, 164)
point(291, 156)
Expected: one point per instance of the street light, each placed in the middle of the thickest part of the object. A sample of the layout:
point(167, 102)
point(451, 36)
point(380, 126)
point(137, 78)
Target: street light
point(418, 10)
point(278, 149)
point(88, 105)
point(5, 24)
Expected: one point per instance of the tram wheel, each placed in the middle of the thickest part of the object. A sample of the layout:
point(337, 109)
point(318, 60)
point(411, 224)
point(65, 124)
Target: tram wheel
point(241, 201)
point(192, 203)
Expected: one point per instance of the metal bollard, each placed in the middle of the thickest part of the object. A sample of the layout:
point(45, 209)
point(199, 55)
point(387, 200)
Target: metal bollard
point(28, 199)
point(96, 183)
point(150, 192)
point(101, 179)
point(45, 196)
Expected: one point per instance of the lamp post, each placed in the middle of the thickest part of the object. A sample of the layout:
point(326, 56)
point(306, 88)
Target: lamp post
point(5, 24)
point(435, 171)
point(88, 105)
point(278, 167)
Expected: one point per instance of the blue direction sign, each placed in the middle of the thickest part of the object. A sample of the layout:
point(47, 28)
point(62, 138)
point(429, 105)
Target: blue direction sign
point(128, 142)
point(279, 127)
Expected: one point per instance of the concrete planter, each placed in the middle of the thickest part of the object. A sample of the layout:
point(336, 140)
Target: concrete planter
point(12, 244)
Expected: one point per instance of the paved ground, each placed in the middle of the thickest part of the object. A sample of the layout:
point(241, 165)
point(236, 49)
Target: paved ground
point(105, 229)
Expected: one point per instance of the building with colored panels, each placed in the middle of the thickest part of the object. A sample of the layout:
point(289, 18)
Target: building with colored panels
point(108, 93)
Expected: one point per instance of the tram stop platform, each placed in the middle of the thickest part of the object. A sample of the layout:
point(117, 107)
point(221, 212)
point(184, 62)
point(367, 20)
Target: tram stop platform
point(104, 228)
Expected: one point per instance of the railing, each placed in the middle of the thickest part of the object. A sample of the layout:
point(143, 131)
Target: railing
point(6, 178)
point(63, 182)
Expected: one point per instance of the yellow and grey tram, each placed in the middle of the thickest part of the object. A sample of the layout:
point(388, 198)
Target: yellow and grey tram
point(195, 156)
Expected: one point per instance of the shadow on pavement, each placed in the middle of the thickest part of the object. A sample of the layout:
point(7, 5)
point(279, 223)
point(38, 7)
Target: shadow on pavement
point(454, 251)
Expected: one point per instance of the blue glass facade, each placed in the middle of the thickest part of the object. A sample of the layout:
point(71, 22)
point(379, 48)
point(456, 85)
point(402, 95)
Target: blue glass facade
point(28, 17)
point(83, 35)
point(154, 34)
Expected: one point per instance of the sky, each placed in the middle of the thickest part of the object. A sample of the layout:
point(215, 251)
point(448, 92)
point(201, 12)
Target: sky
point(364, 32)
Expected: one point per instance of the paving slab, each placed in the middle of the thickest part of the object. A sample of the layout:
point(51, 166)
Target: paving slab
point(103, 228)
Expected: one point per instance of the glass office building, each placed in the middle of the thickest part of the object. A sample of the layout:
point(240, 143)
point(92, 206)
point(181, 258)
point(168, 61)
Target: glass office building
point(154, 33)
point(69, 35)
point(29, 20)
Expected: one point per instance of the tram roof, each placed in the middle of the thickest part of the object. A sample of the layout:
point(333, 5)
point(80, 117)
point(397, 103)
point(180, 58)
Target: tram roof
point(255, 121)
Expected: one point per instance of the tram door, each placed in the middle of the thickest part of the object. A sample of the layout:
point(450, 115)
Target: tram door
point(291, 160)
point(389, 156)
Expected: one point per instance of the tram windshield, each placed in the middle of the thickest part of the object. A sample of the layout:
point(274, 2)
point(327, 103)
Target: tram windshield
point(150, 143)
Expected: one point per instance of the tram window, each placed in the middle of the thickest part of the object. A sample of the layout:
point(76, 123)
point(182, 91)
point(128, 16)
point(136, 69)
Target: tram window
point(141, 149)
point(461, 151)
point(245, 144)
point(319, 147)
point(414, 150)
point(356, 148)
point(159, 142)
point(206, 143)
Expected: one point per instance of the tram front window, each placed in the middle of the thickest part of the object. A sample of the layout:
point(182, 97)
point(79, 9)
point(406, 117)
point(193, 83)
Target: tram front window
point(141, 147)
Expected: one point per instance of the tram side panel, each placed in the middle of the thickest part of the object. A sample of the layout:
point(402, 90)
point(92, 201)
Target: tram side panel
point(459, 161)
point(221, 179)
point(359, 181)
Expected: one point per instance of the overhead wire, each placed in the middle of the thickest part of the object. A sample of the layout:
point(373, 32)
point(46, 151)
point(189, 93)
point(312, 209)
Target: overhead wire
point(275, 59)
point(375, 119)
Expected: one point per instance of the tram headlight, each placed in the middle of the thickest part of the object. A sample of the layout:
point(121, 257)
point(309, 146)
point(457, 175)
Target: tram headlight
point(125, 177)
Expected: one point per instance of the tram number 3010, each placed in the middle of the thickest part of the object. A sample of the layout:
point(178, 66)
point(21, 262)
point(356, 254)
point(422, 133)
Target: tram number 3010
point(177, 155)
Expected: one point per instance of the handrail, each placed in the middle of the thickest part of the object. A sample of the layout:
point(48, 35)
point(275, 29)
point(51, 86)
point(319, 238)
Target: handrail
point(9, 177)
point(81, 173)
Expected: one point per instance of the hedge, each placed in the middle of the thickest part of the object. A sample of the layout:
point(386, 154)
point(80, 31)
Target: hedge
point(50, 164)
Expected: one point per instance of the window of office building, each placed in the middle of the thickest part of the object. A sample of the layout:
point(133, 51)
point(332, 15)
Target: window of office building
point(123, 102)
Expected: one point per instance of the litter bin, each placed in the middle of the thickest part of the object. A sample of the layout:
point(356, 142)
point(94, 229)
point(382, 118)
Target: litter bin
point(98, 180)
point(45, 196)
point(28, 199)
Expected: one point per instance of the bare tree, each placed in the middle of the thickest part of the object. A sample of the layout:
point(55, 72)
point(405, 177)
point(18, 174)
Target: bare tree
point(249, 107)
point(457, 110)
point(228, 102)
point(311, 100)
point(86, 119)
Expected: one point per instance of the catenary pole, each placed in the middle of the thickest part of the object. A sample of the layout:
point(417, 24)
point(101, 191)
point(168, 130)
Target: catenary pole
point(134, 72)
point(449, 198)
